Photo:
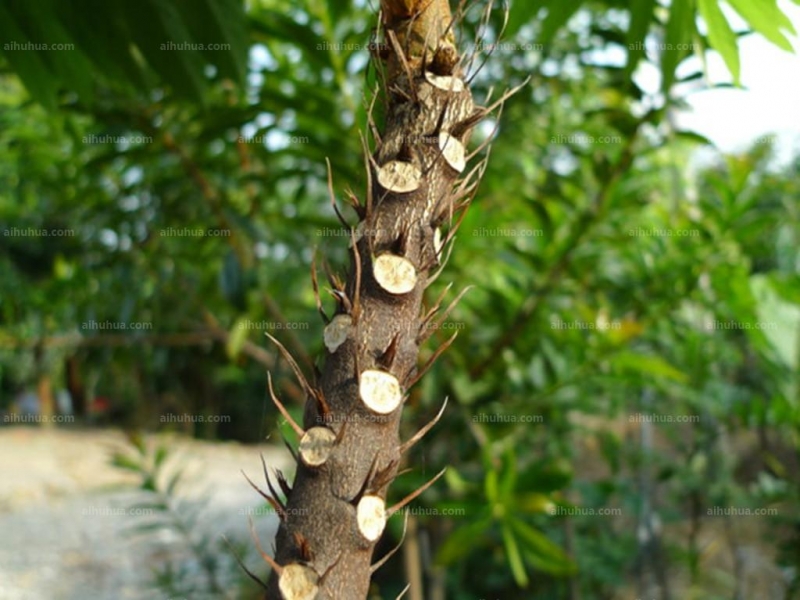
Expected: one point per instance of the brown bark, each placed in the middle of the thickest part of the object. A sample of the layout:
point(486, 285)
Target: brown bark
point(44, 389)
point(326, 526)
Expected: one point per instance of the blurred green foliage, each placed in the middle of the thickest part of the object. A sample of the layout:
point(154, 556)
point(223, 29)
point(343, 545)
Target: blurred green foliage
point(616, 272)
point(205, 567)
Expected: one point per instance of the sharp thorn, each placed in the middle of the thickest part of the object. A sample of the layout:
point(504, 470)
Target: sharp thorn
point(414, 494)
point(295, 367)
point(408, 444)
point(242, 565)
point(421, 373)
point(315, 285)
point(297, 429)
point(270, 561)
point(391, 552)
point(276, 505)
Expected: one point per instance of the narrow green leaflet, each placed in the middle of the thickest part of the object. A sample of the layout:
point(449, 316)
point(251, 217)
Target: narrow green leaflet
point(111, 40)
point(514, 557)
point(694, 137)
point(126, 462)
point(508, 479)
point(521, 13)
point(721, 36)
point(558, 13)
point(491, 486)
point(231, 23)
point(648, 365)
point(71, 66)
point(238, 336)
point(641, 16)
point(680, 30)
point(545, 555)
point(546, 477)
point(463, 541)
point(28, 65)
point(189, 63)
point(767, 19)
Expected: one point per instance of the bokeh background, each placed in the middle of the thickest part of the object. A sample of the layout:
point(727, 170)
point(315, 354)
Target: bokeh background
point(622, 417)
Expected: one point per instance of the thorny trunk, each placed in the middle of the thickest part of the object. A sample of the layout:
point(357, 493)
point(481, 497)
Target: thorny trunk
point(350, 449)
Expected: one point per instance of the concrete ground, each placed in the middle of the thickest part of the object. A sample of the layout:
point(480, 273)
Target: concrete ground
point(66, 513)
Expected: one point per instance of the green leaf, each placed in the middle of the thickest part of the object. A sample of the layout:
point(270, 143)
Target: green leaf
point(276, 26)
point(220, 22)
point(71, 66)
point(32, 70)
point(149, 483)
point(237, 338)
point(767, 19)
point(521, 13)
point(463, 541)
point(192, 81)
point(490, 486)
point(456, 481)
point(694, 137)
point(641, 16)
point(149, 527)
point(157, 30)
point(173, 483)
point(161, 454)
point(546, 477)
point(721, 36)
point(514, 557)
point(558, 14)
point(771, 309)
point(126, 462)
point(543, 215)
point(648, 365)
point(679, 33)
point(532, 503)
point(102, 36)
point(152, 505)
point(543, 553)
point(467, 389)
point(508, 480)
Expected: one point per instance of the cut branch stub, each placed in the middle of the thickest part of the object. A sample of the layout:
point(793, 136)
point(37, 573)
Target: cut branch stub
point(399, 176)
point(380, 391)
point(445, 82)
point(316, 446)
point(336, 332)
point(453, 151)
point(395, 274)
point(298, 582)
point(371, 517)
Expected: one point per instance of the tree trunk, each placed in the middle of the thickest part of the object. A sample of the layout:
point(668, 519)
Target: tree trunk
point(350, 448)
